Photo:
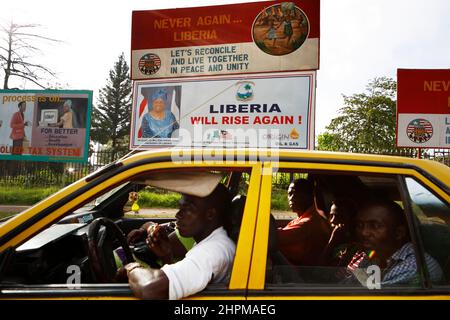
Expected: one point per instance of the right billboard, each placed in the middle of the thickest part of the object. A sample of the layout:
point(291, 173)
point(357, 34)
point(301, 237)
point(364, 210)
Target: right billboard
point(423, 108)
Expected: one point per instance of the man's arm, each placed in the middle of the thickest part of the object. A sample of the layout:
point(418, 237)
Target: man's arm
point(147, 283)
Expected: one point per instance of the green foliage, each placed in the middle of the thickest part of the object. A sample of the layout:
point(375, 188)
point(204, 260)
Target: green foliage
point(24, 196)
point(328, 141)
point(112, 116)
point(151, 199)
point(366, 122)
point(280, 200)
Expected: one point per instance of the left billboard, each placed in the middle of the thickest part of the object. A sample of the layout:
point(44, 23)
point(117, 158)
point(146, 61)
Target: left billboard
point(45, 125)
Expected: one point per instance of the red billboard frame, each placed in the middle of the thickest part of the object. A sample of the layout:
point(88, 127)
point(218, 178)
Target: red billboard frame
point(423, 95)
point(222, 25)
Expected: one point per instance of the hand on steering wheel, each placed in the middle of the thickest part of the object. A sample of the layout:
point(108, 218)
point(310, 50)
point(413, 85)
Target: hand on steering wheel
point(101, 249)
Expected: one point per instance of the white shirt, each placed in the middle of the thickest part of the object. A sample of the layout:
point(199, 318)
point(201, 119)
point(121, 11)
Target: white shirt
point(210, 260)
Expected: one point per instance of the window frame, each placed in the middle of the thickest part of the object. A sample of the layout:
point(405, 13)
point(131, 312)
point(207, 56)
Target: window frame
point(423, 181)
point(258, 287)
point(60, 207)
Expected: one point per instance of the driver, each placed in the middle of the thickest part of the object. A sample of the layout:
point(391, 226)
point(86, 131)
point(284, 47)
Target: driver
point(209, 261)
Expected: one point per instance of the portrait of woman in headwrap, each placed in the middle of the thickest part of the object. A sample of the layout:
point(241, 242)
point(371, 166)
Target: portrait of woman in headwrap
point(159, 122)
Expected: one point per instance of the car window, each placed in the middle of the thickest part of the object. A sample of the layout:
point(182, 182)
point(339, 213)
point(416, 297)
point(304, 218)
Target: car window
point(319, 236)
point(433, 216)
point(61, 251)
point(146, 201)
point(98, 200)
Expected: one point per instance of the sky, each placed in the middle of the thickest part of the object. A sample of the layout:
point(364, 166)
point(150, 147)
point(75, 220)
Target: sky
point(359, 40)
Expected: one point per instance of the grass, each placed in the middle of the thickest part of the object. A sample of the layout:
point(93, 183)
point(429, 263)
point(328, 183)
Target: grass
point(147, 198)
point(22, 196)
point(6, 214)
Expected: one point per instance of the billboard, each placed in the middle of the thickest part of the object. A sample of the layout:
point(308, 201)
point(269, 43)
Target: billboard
point(269, 36)
point(270, 110)
point(423, 108)
point(45, 125)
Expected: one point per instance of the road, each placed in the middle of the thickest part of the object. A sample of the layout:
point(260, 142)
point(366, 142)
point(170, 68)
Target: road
point(147, 212)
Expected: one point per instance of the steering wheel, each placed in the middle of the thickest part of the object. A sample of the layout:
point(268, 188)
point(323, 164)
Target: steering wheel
point(101, 249)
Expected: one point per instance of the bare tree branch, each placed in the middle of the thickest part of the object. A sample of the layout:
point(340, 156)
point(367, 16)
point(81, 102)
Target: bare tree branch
point(18, 45)
point(30, 79)
point(38, 36)
point(25, 64)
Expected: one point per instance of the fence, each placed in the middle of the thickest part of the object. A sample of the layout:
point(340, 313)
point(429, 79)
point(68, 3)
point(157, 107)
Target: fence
point(47, 174)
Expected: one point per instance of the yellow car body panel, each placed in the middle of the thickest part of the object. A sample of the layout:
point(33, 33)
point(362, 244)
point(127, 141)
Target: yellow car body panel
point(249, 266)
point(244, 247)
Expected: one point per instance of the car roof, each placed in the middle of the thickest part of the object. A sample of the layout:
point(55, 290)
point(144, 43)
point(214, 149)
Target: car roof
point(265, 154)
point(433, 170)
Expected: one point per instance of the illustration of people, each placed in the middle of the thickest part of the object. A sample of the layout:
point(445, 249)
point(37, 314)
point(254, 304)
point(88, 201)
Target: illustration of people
point(269, 15)
point(287, 29)
point(18, 125)
point(302, 27)
point(158, 122)
point(280, 29)
point(272, 31)
point(66, 119)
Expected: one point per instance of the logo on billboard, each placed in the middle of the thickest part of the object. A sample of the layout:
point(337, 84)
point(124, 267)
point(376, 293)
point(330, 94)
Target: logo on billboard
point(294, 134)
point(419, 130)
point(245, 91)
point(280, 29)
point(149, 64)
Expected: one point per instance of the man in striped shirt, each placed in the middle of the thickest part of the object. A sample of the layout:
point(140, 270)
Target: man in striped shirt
point(382, 233)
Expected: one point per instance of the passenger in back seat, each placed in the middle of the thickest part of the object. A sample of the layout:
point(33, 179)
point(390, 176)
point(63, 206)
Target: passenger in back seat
point(303, 239)
point(383, 238)
point(342, 214)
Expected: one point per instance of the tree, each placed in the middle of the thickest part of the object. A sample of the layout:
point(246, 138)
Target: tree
point(111, 117)
point(17, 48)
point(366, 122)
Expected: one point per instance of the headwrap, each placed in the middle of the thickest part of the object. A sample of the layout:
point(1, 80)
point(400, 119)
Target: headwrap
point(68, 103)
point(160, 94)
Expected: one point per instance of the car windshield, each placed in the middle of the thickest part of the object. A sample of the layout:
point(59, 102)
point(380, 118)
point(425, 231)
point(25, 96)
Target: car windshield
point(97, 201)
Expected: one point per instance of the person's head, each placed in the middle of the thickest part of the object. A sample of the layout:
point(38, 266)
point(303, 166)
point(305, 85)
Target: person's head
point(301, 195)
point(67, 105)
point(381, 226)
point(159, 98)
point(198, 217)
point(342, 211)
point(22, 106)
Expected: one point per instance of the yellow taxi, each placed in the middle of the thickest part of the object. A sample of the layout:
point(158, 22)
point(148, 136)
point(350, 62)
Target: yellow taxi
point(63, 247)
